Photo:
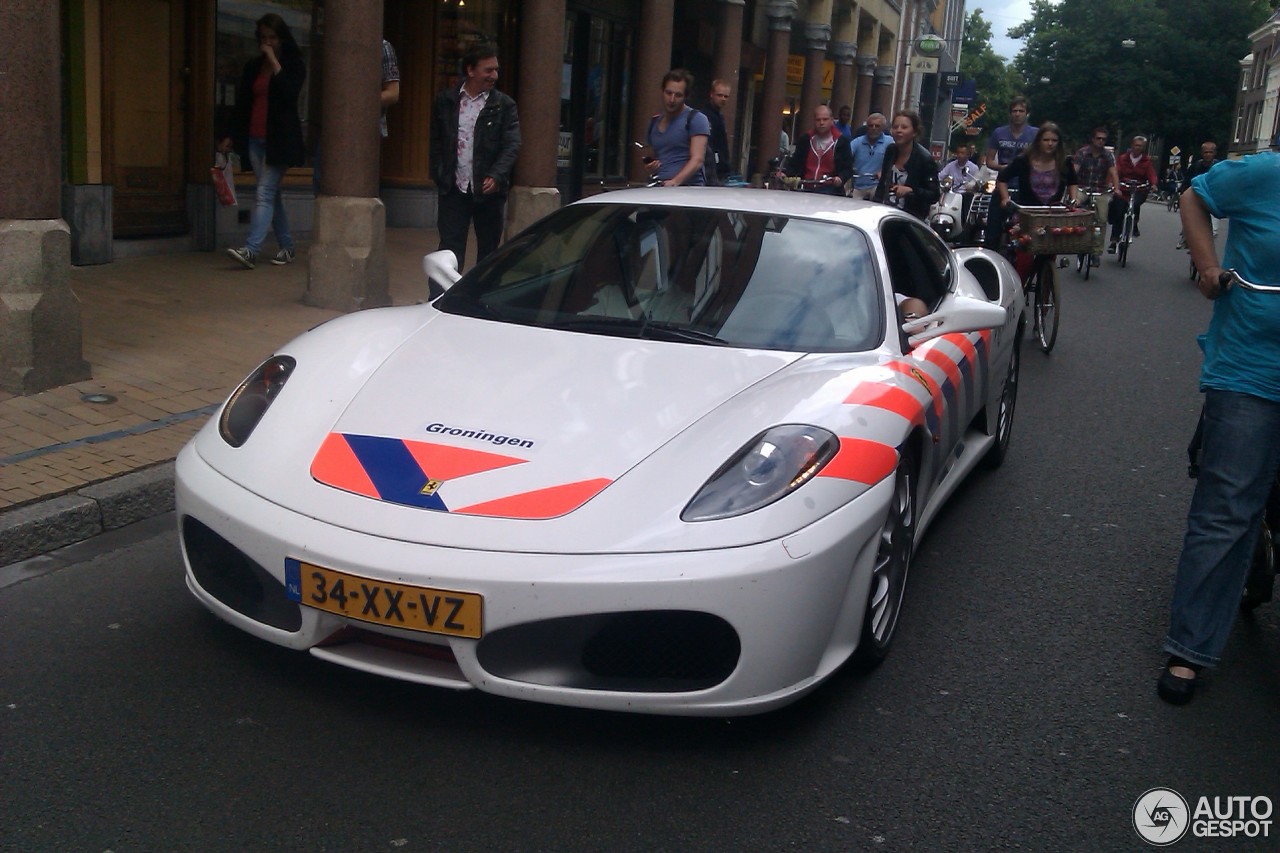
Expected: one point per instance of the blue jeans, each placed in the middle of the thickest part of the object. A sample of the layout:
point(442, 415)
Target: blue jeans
point(1237, 468)
point(268, 206)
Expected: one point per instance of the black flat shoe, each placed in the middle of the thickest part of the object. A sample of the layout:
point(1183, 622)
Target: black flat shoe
point(1174, 689)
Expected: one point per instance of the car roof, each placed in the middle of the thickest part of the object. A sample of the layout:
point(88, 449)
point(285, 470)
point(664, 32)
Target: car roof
point(863, 214)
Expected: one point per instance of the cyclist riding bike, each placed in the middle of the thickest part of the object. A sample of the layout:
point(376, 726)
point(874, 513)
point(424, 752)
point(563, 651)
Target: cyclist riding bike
point(1097, 176)
point(1136, 167)
point(1043, 176)
point(1173, 181)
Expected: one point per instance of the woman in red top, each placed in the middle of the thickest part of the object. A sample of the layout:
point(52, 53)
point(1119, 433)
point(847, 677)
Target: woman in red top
point(267, 132)
point(1135, 166)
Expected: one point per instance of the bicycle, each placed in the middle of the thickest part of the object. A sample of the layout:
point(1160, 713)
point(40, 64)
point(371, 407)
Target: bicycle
point(1041, 233)
point(1086, 260)
point(1175, 190)
point(1130, 215)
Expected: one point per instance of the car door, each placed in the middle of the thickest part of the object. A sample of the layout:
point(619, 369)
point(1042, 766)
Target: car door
point(955, 366)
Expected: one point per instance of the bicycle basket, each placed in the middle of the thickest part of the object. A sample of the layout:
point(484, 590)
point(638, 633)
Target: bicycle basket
point(1056, 230)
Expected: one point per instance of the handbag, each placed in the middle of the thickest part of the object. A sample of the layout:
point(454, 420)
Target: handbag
point(224, 180)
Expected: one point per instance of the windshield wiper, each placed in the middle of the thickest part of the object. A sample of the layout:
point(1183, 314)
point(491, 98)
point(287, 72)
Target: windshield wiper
point(642, 328)
point(600, 324)
point(682, 334)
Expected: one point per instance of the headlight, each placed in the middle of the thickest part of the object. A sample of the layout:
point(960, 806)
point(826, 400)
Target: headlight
point(769, 467)
point(252, 399)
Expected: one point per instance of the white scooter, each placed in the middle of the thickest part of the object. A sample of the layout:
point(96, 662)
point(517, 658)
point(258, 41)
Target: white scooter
point(946, 216)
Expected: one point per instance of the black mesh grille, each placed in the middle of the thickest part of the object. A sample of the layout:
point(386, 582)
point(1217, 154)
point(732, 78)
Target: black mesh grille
point(658, 651)
point(665, 644)
point(227, 573)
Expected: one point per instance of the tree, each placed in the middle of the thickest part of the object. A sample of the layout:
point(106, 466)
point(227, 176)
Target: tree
point(996, 81)
point(1165, 68)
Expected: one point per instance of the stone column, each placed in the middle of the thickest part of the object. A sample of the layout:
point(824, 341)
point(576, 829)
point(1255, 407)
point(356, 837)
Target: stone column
point(653, 59)
point(843, 53)
point(728, 61)
point(902, 55)
point(862, 96)
point(882, 92)
point(780, 13)
point(347, 264)
point(816, 37)
point(534, 193)
point(40, 332)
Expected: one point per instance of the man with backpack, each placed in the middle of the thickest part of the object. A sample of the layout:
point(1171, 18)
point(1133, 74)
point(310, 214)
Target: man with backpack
point(678, 135)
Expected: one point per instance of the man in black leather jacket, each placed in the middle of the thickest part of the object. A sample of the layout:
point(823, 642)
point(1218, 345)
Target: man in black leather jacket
point(475, 137)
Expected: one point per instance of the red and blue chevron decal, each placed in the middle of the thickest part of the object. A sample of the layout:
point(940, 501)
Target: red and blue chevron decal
point(412, 472)
point(396, 469)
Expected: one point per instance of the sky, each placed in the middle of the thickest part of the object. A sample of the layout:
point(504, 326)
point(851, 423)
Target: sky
point(1003, 14)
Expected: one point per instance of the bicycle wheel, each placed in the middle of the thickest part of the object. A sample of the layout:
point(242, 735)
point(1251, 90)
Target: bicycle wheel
point(1046, 307)
point(1126, 236)
point(1194, 272)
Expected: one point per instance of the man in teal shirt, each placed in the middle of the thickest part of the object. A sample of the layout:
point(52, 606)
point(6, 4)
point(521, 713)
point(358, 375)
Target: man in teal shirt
point(1241, 382)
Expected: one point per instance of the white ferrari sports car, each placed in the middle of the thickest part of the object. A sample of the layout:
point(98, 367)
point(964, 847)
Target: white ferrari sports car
point(665, 451)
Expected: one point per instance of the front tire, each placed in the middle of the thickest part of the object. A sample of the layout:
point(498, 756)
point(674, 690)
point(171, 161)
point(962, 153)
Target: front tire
point(1008, 402)
point(893, 560)
point(1046, 308)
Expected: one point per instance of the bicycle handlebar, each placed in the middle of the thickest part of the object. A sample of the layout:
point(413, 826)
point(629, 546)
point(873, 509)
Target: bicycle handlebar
point(1229, 277)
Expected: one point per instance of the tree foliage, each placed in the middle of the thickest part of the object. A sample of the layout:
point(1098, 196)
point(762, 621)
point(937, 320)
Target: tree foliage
point(996, 80)
point(1177, 81)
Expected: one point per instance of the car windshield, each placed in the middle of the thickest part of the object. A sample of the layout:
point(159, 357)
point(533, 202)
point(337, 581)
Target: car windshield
point(703, 276)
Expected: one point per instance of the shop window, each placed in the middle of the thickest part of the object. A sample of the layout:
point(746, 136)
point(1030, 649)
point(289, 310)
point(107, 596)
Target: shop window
point(460, 26)
point(594, 109)
point(237, 44)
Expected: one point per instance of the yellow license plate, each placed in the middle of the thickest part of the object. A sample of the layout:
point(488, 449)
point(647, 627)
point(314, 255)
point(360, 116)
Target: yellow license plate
point(415, 608)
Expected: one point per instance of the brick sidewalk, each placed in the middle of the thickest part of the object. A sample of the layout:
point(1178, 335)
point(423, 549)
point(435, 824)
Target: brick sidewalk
point(168, 337)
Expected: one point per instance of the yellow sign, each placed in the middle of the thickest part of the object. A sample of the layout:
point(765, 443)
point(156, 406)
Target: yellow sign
point(795, 71)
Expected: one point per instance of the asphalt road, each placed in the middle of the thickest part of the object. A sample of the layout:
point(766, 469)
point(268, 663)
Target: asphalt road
point(1017, 710)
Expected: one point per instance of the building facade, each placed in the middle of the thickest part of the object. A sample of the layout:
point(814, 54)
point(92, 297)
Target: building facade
point(1257, 122)
point(142, 90)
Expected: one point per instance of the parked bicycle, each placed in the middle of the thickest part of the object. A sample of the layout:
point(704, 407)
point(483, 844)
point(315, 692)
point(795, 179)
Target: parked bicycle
point(1130, 219)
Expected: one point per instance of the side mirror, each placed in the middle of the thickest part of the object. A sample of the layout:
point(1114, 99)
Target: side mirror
point(957, 313)
point(441, 269)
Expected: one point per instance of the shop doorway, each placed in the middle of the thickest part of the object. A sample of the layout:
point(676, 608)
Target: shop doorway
point(144, 115)
point(594, 108)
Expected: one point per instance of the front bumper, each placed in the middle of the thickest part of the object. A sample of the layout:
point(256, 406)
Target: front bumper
point(715, 632)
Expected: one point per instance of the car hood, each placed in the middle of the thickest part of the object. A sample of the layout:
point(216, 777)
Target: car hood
point(493, 419)
point(454, 431)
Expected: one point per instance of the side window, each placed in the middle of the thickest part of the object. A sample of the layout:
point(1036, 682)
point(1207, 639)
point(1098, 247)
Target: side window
point(919, 263)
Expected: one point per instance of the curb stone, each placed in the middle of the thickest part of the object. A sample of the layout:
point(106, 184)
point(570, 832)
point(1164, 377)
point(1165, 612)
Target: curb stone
point(29, 531)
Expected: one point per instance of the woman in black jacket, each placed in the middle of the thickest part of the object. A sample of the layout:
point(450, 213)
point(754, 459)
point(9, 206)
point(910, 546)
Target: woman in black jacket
point(267, 132)
point(909, 176)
